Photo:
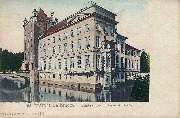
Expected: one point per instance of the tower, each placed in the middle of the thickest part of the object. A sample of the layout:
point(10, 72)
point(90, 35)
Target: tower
point(33, 28)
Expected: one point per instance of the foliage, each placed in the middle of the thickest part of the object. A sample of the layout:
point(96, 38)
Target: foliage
point(145, 62)
point(10, 61)
point(140, 90)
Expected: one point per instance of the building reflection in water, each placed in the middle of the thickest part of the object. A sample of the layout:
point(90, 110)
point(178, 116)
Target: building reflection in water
point(52, 94)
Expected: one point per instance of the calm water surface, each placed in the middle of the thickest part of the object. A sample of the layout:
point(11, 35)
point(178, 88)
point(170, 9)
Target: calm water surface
point(13, 93)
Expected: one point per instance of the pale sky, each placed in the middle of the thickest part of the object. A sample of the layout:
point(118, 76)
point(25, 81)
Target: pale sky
point(133, 17)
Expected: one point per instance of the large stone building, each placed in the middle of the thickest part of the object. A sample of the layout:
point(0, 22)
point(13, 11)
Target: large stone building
point(82, 51)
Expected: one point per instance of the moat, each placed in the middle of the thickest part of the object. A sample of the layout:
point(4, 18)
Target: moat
point(14, 92)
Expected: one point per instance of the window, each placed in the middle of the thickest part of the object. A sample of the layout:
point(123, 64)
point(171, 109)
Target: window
point(87, 29)
point(105, 30)
point(107, 77)
point(108, 63)
point(65, 35)
point(122, 75)
point(31, 43)
point(44, 43)
point(97, 41)
point(65, 47)
point(59, 61)
point(65, 63)
point(54, 64)
point(71, 33)
point(103, 61)
point(79, 61)
point(112, 32)
point(44, 51)
point(137, 65)
point(44, 65)
point(59, 37)
point(54, 50)
point(72, 46)
point(132, 64)
point(97, 26)
point(79, 44)
point(59, 76)
point(49, 75)
point(72, 62)
point(125, 63)
point(48, 41)
point(97, 61)
point(132, 52)
point(54, 76)
point(122, 47)
point(54, 39)
point(122, 62)
point(78, 30)
point(59, 48)
point(87, 61)
point(87, 39)
point(49, 65)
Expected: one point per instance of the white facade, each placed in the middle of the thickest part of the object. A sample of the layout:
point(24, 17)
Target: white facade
point(86, 52)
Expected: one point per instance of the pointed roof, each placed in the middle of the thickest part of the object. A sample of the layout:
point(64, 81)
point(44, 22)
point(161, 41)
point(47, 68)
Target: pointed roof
point(41, 15)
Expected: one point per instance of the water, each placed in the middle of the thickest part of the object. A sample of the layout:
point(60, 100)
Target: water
point(14, 93)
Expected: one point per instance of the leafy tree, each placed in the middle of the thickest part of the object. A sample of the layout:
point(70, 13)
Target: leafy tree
point(0, 59)
point(10, 61)
point(144, 62)
point(140, 90)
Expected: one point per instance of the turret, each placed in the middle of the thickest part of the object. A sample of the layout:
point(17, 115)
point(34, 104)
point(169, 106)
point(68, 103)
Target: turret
point(34, 13)
point(25, 22)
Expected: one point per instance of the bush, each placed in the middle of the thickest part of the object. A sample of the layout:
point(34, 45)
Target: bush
point(140, 90)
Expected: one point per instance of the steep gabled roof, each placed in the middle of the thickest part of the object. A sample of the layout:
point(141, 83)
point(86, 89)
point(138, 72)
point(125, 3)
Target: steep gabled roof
point(41, 15)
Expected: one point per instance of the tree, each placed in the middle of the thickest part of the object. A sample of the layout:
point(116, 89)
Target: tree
point(140, 90)
point(10, 61)
point(0, 59)
point(144, 62)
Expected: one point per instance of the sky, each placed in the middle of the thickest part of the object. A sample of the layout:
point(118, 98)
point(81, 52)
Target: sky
point(133, 17)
